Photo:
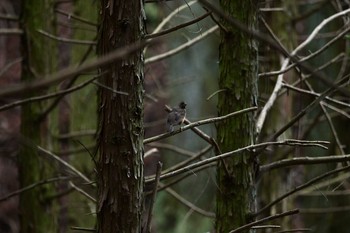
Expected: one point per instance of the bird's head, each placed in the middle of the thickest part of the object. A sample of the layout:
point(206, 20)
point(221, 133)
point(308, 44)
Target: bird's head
point(182, 105)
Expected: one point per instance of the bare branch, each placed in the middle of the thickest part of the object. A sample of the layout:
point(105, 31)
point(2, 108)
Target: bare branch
point(312, 93)
point(71, 135)
point(83, 229)
point(173, 148)
point(79, 190)
point(181, 47)
point(48, 96)
point(198, 123)
point(193, 172)
point(64, 163)
point(304, 161)
point(252, 148)
point(167, 31)
point(9, 17)
point(66, 40)
point(300, 187)
point(70, 15)
point(189, 204)
point(295, 230)
point(312, 55)
point(276, 216)
point(308, 108)
point(29, 187)
point(154, 194)
point(272, 44)
point(278, 85)
point(10, 31)
point(70, 72)
point(188, 161)
point(8, 65)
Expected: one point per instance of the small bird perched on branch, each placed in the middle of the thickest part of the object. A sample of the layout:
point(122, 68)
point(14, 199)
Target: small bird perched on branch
point(176, 116)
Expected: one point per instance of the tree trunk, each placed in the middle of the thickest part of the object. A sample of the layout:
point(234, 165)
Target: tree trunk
point(120, 166)
point(236, 195)
point(36, 207)
point(275, 183)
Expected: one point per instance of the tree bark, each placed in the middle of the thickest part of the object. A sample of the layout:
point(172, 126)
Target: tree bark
point(120, 165)
point(39, 59)
point(236, 195)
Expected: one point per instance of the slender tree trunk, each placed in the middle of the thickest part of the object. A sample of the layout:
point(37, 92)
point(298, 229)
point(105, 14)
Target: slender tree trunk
point(36, 208)
point(276, 183)
point(236, 196)
point(120, 168)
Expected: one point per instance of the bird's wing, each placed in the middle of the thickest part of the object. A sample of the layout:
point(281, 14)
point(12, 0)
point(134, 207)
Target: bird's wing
point(177, 117)
point(174, 117)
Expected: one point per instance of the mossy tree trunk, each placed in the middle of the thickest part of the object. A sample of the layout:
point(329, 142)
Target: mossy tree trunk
point(120, 168)
point(236, 195)
point(37, 212)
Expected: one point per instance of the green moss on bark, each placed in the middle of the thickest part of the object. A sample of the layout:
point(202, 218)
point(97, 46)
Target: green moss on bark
point(36, 207)
point(238, 76)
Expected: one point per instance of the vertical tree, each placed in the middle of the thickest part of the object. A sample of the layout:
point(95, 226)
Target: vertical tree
point(275, 183)
point(39, 59)
point(120, 169)
point(236, 194)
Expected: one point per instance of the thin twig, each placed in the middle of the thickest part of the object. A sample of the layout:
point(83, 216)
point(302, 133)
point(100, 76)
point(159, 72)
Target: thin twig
point(192, 172)
point(8, 65)
point(262, 37)
point(10, 31)
point(167, 31)
point(64, 163)
point(9, 17)
point(278, 85)
point(304, 161)
point(312, 55)
point(330, 123)
point(300, 187)
point(66, 40)
point(312, 93)
point(149, 217)
point(48, 96)
point(78, 18)
point(276, 216)
point(189, 204)
point(266, 227)
point(66, 86)
point(173, 148)
point(221, 156)
point(70, 72)
point(188, 161)
point(215, 93)
point(325, 210)
point(295, 230)
point(83, 229)
point(181, 47)
point(31, 186)
point(308, 108)
point(79, 190)
point(71, 135)
point(111, 89)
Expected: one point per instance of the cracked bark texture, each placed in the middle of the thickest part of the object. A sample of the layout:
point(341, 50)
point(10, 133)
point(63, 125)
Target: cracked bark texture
point(120, 165)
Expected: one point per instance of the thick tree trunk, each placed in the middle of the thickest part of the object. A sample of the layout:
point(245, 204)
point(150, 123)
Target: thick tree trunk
point(236, 196)
point(120, 168)
point(36, 207)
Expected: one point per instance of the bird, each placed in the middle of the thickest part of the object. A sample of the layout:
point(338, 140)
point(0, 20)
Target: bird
point(176, 116)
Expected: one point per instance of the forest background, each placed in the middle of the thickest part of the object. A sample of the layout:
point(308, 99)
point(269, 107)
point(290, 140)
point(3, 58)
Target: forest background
point(281, 165)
